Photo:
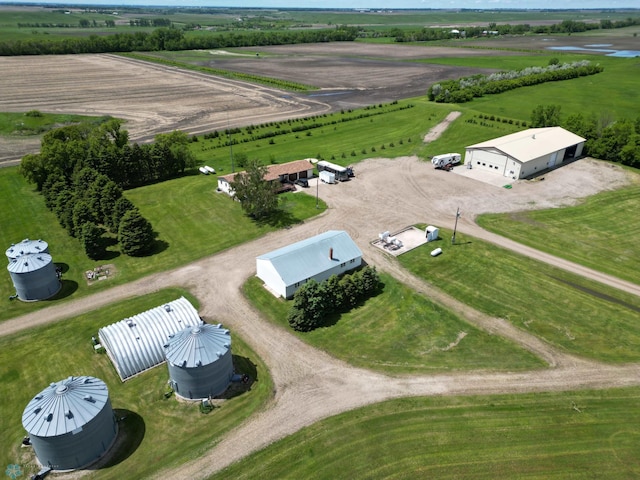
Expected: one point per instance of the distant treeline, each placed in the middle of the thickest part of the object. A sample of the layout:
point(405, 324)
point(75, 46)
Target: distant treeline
point(171, 39)
point(566, 26)
point(84, 23)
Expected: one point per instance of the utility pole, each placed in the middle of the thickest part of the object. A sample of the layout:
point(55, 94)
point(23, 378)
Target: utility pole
point(317, 186)
point(453, 238)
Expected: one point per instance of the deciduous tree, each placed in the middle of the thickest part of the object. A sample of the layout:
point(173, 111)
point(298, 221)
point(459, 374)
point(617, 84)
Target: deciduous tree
point(257, 196)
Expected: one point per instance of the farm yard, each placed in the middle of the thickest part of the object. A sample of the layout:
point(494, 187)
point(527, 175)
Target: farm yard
point(579, 398)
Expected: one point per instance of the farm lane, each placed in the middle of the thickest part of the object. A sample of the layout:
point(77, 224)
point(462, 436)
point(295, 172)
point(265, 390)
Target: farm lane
point(311, 385)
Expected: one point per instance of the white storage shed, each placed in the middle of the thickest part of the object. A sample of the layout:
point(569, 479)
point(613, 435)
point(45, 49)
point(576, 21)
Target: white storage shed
point(286, 269)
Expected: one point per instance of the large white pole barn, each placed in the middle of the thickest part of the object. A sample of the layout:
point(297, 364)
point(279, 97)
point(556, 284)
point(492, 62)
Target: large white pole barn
point(526, 153)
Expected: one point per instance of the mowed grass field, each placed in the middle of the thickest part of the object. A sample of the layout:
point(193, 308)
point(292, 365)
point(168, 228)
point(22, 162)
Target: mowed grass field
point(576, 315)
point(414, 336)
point(153, 424)
point(600, 233)
point(577, 435)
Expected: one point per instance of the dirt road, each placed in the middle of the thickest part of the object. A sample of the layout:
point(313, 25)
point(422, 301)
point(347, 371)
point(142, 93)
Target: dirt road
point(309, 384)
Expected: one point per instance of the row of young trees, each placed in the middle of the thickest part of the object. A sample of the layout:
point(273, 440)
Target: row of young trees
point(314, 302)
point(466, 89)
point(606, 138)
point(170, 39)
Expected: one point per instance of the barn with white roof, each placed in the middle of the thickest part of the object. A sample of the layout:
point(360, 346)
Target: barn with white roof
point(287, 269)
point(526, 153)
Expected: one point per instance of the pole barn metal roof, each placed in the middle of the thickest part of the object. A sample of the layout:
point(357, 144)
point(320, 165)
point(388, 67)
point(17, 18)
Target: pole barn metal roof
point(137, 344)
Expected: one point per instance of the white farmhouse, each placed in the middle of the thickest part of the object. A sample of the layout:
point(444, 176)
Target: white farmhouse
point(287, 269)
point(526, 153)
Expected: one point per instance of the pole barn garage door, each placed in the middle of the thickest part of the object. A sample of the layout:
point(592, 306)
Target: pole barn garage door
point(493, 162)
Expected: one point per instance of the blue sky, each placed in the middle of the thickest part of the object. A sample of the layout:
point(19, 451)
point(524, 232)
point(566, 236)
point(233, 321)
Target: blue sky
point(374, 4)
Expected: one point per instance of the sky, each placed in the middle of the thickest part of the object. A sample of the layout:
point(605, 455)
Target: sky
point(372, 4)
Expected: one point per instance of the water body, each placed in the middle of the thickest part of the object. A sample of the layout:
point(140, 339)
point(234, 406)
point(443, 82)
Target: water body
point(597, 48)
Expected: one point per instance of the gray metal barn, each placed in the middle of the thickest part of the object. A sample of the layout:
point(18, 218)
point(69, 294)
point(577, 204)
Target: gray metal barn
point(34, 276)
point(25, 247)
point(71, 423)
point(199, 360)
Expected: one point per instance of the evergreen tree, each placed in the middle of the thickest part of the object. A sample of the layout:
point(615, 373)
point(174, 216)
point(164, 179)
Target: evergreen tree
point(135, 234)
point(91, 238)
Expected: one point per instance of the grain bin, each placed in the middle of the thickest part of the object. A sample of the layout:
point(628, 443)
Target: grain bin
point(71, 423)
point(34, 276)
point(199, 361)
point(25, 247)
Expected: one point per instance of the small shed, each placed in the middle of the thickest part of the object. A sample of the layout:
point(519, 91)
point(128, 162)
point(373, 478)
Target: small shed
point(25, 247)
point(432, 233)
point(34, 276)
point(286, 269)
point(71, 423)
point(199, 361)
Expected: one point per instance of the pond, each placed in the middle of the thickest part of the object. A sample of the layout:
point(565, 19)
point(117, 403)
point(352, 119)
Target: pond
point(600, 48)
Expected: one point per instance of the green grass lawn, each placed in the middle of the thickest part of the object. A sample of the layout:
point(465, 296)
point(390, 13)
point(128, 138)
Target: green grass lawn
point(385, 131)
point(400, 331)
point(191, 219)
point(574, 314)
point(31, 360)
point(600, 233)
point(577, 435)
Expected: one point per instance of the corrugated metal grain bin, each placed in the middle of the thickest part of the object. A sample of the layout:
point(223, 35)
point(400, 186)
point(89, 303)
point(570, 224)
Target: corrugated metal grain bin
point(34, 276)
point(71, 423)
point(200, 361)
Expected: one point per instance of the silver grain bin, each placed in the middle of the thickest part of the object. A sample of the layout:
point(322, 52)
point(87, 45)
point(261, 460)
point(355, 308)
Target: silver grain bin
point(34, 276)
point(25, 247)
point(71, 423)
point(199, 361)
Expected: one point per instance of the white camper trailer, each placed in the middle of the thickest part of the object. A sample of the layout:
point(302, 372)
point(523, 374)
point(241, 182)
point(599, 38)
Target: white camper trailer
point(446, 160)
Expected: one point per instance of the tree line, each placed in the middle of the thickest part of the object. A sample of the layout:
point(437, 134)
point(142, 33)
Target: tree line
point(465, 89)
point(81, 171)
point(313, 302)
point(606, 138)
point(167, 38)
point(427, 34)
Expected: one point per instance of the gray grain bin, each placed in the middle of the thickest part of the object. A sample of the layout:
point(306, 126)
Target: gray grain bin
point(34, 276)
point(25, 247)
point(199, 361)
point(71, 423)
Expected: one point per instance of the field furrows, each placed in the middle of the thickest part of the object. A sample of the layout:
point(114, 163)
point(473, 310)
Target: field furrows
point(151, 98)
